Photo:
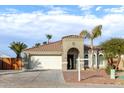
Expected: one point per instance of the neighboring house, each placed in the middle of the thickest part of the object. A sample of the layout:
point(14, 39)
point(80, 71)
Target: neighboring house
point(63, 54)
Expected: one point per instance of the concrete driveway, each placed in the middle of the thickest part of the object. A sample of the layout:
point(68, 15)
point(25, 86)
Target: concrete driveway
point(41, 79)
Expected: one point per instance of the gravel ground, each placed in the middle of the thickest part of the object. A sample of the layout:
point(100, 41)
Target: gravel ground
point(91, 77)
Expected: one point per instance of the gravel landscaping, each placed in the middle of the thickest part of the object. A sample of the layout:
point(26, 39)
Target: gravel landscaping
point(91, 77)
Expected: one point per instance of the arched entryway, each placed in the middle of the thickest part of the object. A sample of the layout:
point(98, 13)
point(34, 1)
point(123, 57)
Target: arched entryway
point(72, 55)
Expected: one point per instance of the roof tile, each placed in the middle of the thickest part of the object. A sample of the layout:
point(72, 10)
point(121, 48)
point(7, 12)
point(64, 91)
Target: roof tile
point(55, 46)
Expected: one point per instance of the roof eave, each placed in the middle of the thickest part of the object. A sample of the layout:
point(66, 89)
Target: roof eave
point(44, 52)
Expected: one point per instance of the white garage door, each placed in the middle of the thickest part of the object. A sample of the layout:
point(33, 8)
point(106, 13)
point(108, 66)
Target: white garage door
point(46, 62)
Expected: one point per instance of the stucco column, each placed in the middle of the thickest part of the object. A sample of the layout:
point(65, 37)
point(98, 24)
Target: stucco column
point(64, 66)
point(64, 60)
point(89, 57)
point(96, 65)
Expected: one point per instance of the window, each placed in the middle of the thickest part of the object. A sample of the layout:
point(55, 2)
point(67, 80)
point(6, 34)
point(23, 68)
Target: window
point(85, 56)
point(94, 59)
point(86, 61)
point(101, 58)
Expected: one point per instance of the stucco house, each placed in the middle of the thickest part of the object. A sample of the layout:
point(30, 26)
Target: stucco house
point(62, 54)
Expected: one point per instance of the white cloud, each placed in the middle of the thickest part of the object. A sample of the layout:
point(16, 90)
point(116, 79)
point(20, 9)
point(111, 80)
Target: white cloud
point(115, 10)
point(85, 7)
point(56, 11)
point(37, 24)
point(114, 25)
point(32, 27)
point(98, 8)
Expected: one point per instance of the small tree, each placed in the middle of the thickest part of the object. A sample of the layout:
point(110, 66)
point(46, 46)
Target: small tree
point(113, 48)
point(17, 47)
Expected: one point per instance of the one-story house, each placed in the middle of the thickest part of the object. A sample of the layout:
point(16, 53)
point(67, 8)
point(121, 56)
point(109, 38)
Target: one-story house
point(62, 54)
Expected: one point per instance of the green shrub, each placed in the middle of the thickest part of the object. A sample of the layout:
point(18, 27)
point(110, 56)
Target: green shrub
point(108, 69)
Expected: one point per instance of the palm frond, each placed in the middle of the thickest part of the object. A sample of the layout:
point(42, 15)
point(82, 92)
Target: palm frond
point(48, 36)
point(17, 47)
point(96, 32)
point(84, 34)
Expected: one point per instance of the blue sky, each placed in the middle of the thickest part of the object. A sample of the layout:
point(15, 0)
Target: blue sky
point(29, 24)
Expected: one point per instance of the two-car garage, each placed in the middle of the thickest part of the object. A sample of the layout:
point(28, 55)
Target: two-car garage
point(48, 56)
point(46, 62)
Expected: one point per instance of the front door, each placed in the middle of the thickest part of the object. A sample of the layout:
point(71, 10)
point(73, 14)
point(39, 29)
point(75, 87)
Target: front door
point(71, 62)
point(72, 55)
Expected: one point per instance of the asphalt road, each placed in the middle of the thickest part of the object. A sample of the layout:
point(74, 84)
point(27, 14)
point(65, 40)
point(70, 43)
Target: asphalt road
point(42, 79)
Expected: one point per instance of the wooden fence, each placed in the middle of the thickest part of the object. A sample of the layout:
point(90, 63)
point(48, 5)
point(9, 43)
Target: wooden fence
point(10, 64)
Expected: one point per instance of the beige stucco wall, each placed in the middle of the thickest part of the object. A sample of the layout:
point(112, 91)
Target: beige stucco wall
point(68, 43)
point(121, 65)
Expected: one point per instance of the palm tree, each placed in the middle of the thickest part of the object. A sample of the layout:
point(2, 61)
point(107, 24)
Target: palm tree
point(18, 47)
point(48, 37)
point(37, 44)
point(45, 42)
point(96, 32)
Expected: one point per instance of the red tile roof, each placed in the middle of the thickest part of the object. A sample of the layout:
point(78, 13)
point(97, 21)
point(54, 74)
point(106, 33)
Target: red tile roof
point(95, 47)
point(72, 36)
point(55, 46)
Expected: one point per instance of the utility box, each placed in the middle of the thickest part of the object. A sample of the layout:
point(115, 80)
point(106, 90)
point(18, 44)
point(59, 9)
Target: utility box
point(112, 74)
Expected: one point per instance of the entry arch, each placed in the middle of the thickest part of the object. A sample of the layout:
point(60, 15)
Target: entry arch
point(72, 55)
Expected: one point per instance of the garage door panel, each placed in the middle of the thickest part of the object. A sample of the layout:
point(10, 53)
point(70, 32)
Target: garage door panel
point(46, 62)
